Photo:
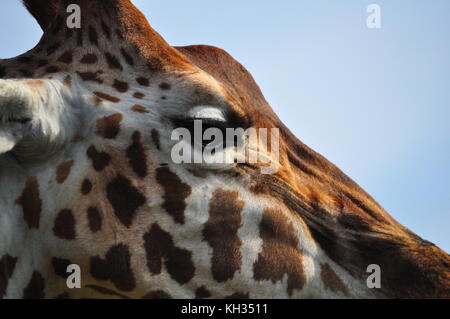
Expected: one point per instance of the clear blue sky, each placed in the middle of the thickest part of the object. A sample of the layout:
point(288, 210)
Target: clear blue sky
point(374, 102)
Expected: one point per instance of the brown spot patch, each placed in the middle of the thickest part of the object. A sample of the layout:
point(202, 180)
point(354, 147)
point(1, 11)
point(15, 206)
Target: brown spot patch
point(107, 97)
point(202, 293)
point(109, 126)
point(116, 267)
point(64, 226)
point(280, 255)
point(143, 81)
point(93, 37)
point(89, 58)
point(60, 267)
point(31, 203)
point(127, 57)
point(120, 86)
point(221, 233)
point(160, 247)
point(106, 30)
point(155, 64)
point(125, 199)
point(139, 109)
point(138, 95)
point(91, 76)
point(97, 101)
point(158, 295)
point(7, 266)
point(100, 160)
point(35, 288)
point(77, 138)
point(113, 62)
point(95, 219)
point(86, 187)
point(175, 193)
point(332, 281)
point(66, 57)
point(63, 171)
point(165, 86)
point(155, 138)
point(136, 155)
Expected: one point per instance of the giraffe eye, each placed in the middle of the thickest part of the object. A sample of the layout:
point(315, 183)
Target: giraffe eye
point(211, 127)
point(201, 118)
point(198, 126)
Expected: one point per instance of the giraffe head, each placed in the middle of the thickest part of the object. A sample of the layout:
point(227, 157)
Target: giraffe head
point(87, 122)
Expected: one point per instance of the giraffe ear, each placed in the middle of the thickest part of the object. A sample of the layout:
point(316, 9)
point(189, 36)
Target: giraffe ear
point(14, 116)
point(8, 141)
point(44, 11)
point(33, 121)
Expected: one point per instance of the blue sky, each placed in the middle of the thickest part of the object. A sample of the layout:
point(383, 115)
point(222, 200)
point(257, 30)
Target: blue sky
point(374, 102)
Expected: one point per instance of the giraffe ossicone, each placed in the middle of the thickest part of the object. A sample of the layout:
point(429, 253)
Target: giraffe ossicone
point(87, 178)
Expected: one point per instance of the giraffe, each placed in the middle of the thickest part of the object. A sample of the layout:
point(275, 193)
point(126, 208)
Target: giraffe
point(86, 178)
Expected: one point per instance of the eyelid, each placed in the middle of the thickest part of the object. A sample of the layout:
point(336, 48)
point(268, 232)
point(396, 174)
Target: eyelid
point(207, 113)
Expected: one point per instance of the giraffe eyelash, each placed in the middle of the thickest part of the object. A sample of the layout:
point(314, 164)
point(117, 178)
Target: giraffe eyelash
point(190, 123)
point(23, 121)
